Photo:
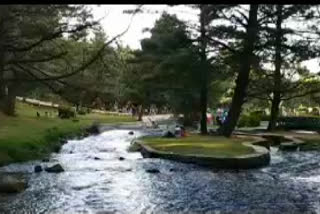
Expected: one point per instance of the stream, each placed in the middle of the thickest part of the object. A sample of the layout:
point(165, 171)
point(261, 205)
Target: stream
point(97, 181)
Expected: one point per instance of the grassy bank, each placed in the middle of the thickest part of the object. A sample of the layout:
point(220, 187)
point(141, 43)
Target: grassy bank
point(27, 137)
point(200, 145)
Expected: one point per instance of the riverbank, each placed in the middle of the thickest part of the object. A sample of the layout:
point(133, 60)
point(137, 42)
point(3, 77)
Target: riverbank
point(27, 137)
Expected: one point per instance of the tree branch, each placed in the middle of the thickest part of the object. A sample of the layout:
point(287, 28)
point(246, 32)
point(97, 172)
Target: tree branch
point(10, 62)
point(88, 63)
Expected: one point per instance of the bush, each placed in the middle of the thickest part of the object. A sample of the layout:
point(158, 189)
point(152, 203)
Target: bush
point(66, 112)
point(251, 120)
point(307, 123)
point(265, 117)
point(82, 111)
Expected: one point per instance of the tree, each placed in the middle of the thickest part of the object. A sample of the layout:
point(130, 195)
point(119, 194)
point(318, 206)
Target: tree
point(28, 34)
point(34, 48)
point(205, 36)
point(242, 81)
point(167, 63)
point(285, 47)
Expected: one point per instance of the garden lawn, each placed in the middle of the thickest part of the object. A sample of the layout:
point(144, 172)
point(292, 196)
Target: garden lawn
point(26, 137)
point(200, 145)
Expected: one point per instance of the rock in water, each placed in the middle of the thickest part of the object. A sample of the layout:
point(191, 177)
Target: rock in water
point(45, 160)
point(121, 158)
point(152, 171)
point(37, 169)
point(12, 184)
point(131, 133)
point(96, 158)
point(94, 129)
point(55, 168)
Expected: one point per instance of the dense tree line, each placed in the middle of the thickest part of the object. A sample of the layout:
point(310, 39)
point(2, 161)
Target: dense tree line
point(253, 51)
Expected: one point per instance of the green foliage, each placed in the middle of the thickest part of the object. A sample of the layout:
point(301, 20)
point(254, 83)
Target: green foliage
point(83, 111)
point(165, 72)
point(250, 120)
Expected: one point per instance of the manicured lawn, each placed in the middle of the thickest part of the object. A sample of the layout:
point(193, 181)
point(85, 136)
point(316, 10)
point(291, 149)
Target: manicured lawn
point(27, 137)
point(200, 145)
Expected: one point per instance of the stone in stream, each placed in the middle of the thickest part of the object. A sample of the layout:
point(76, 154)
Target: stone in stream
point(54, 169)
point(12, 184)
point(121, 158)
point(37, 169)
point(63, 141)
point(153, 171)
point(94, 129)
point(96, 158)
point(131, 133)
point(174, 170)
point(45, 160)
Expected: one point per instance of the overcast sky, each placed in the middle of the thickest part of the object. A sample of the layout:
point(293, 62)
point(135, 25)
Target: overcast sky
point(114, 21)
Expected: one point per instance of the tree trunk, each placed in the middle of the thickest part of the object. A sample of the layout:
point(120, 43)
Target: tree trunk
point(140, 113)
point(277, 72)
point(2, 94)
point(243, 74)
point(10, 101)
point(274, 112)
point(203, 104)
point(204, 74)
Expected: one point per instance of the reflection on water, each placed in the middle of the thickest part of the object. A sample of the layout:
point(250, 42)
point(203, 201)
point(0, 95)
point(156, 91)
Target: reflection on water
point(96, 181)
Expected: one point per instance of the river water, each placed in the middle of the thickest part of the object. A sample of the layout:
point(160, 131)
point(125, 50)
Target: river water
point(291, 184)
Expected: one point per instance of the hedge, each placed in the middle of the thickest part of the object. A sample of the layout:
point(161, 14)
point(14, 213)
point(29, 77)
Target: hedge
point(307, 123)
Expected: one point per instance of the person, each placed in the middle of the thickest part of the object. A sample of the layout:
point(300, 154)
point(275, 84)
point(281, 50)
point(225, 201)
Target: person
point(219, 122)
point(209, 118)
point(183, 132)
point(168, 134)
point(154, 124)
point(133, 110)
point(177, 131)
point(225, 114)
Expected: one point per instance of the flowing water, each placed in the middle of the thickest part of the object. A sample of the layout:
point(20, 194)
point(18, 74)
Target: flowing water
point(96, 181)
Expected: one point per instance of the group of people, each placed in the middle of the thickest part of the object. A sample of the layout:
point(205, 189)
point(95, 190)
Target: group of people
point(179, 131)
point(219, 117)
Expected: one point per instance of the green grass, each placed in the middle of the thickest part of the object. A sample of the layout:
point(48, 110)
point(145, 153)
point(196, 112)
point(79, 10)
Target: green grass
point(26, 137)
point(200, 145)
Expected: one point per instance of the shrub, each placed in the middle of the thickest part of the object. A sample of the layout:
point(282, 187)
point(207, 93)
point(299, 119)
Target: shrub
point(66, 112)
point(251, 120)
point(82, 111)
point(265, 117)
point(307, 123)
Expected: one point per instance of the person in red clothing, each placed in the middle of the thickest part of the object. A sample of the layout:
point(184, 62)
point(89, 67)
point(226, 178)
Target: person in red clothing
point(183, 132)
point(209, 118)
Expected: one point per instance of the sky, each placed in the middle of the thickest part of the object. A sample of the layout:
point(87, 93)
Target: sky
point(114, 21)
